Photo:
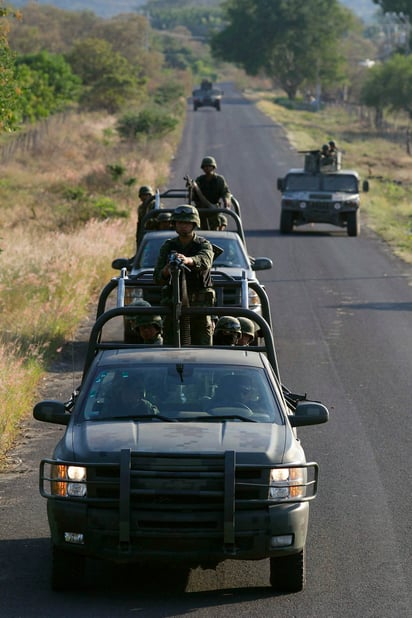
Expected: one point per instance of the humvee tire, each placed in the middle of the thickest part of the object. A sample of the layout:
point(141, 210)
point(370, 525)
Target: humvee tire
point(353, 223)
point(286, 222)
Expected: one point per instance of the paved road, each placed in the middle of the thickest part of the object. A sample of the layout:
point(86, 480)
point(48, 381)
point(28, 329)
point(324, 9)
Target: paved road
point(341, 312)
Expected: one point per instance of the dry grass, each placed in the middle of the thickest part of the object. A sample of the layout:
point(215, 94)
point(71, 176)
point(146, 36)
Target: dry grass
point(50, 277)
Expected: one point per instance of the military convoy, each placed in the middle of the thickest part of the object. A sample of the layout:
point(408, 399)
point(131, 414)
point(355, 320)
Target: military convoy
point(321, 194)
point(203, 462)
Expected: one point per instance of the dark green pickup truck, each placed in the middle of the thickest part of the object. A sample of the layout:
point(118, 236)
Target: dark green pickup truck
point(179, 457)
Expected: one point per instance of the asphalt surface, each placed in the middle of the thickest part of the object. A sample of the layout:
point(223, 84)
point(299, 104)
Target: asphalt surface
point(341, 310)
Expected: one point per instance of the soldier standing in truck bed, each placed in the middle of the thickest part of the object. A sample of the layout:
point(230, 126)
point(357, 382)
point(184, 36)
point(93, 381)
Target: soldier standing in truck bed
point(196, 253)
point(210, 190)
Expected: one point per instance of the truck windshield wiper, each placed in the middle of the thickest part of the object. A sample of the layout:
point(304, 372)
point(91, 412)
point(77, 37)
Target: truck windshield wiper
point(139, 417)
point(218, 417)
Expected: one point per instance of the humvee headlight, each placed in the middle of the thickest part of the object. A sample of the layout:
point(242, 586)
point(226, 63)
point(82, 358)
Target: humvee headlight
point(337, 205)
point(302, 205)
point(287, 483)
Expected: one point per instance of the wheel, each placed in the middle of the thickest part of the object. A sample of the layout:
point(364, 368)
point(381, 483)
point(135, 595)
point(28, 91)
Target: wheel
point(353, 223)
point(217, 105)
point(287, 574)
point(286, 222)
point(67, 570)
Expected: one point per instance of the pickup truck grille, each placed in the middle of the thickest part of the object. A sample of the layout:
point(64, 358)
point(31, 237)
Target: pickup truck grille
point(150, 498)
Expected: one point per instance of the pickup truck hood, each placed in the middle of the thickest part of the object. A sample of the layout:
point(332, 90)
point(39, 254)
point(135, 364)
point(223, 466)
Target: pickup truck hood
point(103, 441)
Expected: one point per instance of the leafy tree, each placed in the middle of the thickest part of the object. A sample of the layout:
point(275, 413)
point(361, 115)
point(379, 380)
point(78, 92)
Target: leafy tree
point(47, 84)
point(200, 18)
point(51, 28)
point(389, 85)
point(110, 80)
point(395, 6)
point(9, 89)
point(291, 41)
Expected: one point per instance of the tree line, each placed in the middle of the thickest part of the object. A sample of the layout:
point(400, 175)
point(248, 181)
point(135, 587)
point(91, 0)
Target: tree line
point(52, 59)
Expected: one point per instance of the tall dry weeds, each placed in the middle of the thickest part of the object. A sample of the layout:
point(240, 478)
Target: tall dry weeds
point(50, 277)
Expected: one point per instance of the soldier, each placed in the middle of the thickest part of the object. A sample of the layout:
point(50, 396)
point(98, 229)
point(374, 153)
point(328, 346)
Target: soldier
point(128, 398)
point(326, 158)
point(164, 221)
point(227, 331)
point(209, 190)
point(196, 254)
point(147, 202)
point(221, 223)
point(150, 329)
point(247, 331)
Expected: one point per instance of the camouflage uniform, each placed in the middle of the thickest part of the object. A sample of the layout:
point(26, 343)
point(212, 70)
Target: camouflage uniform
point(199, 285)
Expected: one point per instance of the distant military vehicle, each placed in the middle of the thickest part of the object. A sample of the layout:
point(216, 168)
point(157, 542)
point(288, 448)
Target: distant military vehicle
point(321, 192)
point(207, 96)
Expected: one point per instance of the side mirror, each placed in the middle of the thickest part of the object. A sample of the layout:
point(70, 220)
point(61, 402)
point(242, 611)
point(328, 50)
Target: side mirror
point(365, 186)
point(120, 263)
point(281, 184)
point(51, 411)
point(309, 413)
point(261, 263)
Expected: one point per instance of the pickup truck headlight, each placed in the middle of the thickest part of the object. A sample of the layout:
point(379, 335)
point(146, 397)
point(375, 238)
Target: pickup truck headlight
point(69, 481)
point(287, 483)
point(254, 300)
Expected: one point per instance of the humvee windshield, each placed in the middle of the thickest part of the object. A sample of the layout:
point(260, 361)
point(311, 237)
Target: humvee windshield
point(322, 182)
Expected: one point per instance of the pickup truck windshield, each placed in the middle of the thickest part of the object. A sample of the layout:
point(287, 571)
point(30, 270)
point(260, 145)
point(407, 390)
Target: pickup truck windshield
point(174, 390)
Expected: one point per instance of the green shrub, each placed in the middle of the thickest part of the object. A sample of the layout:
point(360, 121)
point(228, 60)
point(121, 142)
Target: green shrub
point(150, 122)
point(168, 93)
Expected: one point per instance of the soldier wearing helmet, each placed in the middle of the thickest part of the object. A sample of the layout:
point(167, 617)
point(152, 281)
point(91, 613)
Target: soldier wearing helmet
point(147, 202)
point(227, 331)
point(164, 221)
point(247, 331)
point(220, 223)
point(196, 253)
point(326, 157)
point(210, 189)
point(131, 331)
point(150, 329)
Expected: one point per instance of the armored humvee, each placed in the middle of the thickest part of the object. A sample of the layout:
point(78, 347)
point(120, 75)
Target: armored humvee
point(321, 194)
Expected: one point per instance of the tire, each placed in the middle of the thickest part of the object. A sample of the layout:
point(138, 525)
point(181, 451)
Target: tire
point(68, 570)
point(286, 222)
point(353, 223)
point(195, 108)
point(288, 574)
point(217, 105)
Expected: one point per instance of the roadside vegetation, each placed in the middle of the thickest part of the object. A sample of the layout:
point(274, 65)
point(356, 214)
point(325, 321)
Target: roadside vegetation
point(78, 139)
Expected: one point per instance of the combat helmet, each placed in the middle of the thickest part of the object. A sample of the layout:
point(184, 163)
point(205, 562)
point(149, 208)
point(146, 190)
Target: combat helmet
point(150, 320)
point(164, 216)
point(228, 324)
point(247, 326)
point(145, 190)
point(136, 302)
point(208, 161)
point(187, 213)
